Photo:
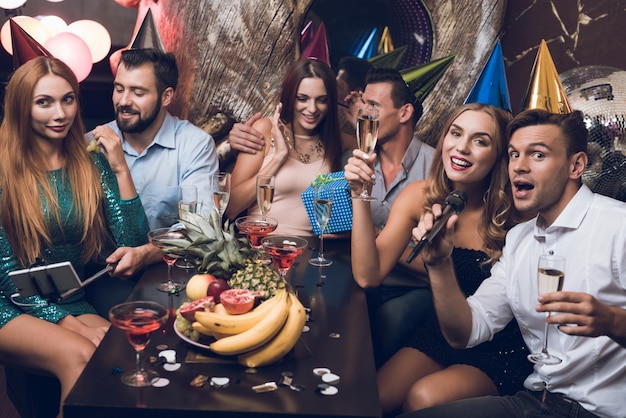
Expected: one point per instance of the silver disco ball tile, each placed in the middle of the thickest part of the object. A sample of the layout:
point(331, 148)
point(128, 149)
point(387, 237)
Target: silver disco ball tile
point(600, 93)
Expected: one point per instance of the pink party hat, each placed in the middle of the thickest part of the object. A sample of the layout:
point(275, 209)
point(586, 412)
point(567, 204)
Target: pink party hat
point(317, 47)
point(25, 47)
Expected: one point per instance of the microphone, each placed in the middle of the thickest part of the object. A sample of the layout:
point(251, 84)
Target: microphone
point(454, 204)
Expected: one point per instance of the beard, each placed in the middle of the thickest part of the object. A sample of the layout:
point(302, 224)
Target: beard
point(141, 124)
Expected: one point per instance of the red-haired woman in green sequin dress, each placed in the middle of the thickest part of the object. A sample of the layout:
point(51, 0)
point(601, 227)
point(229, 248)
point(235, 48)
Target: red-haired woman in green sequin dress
point(58, 202)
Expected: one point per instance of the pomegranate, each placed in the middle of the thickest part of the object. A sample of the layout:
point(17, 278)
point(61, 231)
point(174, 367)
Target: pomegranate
point(216, 287)
point(198, 285)
point(237, 301)
point(188, 310)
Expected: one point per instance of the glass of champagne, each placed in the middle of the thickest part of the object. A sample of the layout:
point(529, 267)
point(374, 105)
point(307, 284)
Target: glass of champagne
point(221, 191)
point(139, 319)
point(323, 197)
point(550, 276)
point(187, 200)
point(265, 193)
point(367, 135)
point(187, 203)
point(159, 237)
point(284, 249)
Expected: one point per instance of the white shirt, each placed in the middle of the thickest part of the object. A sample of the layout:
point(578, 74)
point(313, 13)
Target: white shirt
point(591, 234)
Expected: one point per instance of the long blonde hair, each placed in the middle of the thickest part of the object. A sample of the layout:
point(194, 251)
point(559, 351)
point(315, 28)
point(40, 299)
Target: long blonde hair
point(25, 184)
point(499, 214)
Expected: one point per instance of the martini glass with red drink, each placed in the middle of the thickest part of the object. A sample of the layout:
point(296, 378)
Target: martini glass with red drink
point(255, 228)
point(161, 237)
point(139, 319)
point(284, 249)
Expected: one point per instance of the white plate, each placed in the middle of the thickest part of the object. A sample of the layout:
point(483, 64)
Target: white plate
point(198, 344)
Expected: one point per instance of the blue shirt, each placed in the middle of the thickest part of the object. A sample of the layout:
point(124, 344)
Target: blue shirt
point(180, 154)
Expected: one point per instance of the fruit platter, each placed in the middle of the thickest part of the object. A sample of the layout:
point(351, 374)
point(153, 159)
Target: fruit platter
point(234, 306)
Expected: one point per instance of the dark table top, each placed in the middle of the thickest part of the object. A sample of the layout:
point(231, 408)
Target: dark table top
point(338, 309)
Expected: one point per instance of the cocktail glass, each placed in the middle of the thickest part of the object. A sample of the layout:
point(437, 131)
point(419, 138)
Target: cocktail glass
point(139, 319)
point(284, 249)
point(159, 237)
point(255, 228)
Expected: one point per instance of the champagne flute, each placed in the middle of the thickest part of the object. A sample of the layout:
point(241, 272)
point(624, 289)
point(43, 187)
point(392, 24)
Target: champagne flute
point(159, 237)
point(221, 191)
point(139, 319)
point(550, 276)
point(367, 135)
point(323, 197)
point(265, 193)
point(187, 201)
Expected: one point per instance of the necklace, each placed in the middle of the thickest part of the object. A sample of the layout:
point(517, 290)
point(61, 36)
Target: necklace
point(314, 149)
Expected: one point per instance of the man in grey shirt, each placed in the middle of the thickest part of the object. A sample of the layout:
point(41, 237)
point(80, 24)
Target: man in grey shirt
point(397, 304)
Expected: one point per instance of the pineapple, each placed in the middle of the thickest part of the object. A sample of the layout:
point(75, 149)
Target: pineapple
point(216, 250)
point(257, 276)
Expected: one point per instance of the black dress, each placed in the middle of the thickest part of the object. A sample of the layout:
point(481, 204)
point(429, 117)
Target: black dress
point(503, 359)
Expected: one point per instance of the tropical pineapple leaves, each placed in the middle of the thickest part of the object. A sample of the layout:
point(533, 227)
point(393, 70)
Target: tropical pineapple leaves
point(212, 248)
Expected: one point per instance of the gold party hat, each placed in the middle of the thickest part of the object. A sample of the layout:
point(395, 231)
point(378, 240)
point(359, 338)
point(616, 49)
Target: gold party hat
point(545, 90)
point(386, 43)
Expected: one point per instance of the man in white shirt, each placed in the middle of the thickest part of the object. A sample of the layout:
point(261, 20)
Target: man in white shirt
point(587, 328)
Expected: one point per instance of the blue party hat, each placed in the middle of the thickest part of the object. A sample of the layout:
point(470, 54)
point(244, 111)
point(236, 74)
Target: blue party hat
point(491, 87)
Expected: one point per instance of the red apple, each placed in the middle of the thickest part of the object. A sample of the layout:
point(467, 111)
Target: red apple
point(216, 287)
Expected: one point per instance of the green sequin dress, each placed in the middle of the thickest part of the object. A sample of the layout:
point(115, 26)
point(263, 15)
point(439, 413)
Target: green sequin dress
point(125, 219)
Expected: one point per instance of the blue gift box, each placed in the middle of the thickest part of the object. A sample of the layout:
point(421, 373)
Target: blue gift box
point(341, 214)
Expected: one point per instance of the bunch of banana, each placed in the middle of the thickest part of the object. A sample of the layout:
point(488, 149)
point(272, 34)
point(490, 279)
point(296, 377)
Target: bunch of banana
point(221, 323)
point(283, 342)
point(261, 336)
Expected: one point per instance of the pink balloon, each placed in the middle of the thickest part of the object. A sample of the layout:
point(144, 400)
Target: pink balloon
point(73, 51)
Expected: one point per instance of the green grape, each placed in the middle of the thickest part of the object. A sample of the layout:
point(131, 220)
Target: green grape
point(194, 335)
point(182, 324)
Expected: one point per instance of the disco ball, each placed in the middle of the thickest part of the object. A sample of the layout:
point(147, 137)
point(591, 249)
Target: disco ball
point(600, 93)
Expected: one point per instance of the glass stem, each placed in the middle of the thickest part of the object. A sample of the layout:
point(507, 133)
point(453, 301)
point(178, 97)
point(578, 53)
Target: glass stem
point(139, 359)
point(545, 338)
point(169, 273)
point(321, 254)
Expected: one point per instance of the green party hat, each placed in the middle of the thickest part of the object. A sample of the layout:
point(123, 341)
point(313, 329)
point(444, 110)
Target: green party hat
point(423, 79)
point(391, 59)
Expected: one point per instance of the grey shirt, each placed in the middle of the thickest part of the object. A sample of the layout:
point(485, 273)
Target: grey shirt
point(415, 166)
